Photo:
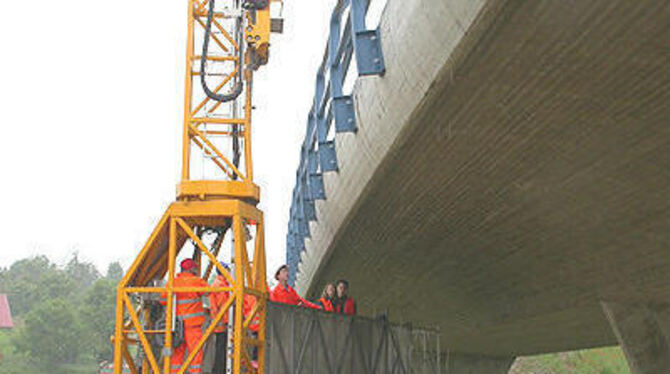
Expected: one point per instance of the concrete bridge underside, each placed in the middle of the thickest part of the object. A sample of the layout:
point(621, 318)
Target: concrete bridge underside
point(510, 174)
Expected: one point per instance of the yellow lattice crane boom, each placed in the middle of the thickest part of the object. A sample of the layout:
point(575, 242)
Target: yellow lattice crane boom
point(227, 42)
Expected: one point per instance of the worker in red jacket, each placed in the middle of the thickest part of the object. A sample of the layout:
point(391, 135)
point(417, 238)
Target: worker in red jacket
point(191, 311)
point(283, 293)
point(344, 304)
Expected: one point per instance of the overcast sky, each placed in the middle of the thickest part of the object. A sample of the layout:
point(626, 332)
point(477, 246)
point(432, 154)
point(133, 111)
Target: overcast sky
point(91, 97)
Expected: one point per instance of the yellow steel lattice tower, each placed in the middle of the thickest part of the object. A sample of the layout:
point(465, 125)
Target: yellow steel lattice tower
point(227, 42)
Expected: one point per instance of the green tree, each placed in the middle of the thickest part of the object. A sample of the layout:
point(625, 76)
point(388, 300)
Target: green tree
point(13, 362)
point(114, 272)
point(83, 273)
point(23, 280)
point(3, 276)
point(97, 314)
point(66, 314)
point(57, 285)
point(51, 336)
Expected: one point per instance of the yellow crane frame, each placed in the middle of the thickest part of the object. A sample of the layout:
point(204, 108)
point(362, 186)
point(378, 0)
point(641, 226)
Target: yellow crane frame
point(228, 200)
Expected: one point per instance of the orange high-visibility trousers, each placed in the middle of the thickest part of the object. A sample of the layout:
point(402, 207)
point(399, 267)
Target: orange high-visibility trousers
point(192, 335)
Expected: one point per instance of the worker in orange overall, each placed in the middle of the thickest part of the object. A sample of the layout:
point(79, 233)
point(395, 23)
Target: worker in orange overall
point(189, 310)
point(283, 293)
point(216, 302)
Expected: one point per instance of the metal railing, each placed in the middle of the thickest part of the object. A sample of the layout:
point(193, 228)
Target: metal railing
point(349, 38)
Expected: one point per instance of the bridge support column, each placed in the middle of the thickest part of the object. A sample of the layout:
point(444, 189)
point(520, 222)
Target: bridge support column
point(476, 364)
point(643, 331)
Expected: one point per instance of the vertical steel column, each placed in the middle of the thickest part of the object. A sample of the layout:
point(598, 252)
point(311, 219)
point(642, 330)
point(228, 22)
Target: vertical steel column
point(188, 93)
point(118, 331)
point(247, 127)
point(238, 294)
point(169, 312)
point(261, 282)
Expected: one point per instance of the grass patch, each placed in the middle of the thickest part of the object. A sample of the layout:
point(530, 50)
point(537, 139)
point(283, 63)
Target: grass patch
point(80, 368)
point(608, 360)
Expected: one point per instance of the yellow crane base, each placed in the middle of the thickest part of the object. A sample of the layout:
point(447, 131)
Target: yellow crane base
point(210, 189)
point(156, 262)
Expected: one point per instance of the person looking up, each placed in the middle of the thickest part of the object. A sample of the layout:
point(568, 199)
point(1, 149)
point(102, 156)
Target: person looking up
point(327, 297)
point(283, 293)
point(343, 303)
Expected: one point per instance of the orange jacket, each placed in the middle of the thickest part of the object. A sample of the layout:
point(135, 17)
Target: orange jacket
point(325, 304)
point(287, 295)
point(189, 304)
point(218, 299)
point(216, 302)
point(249, 303)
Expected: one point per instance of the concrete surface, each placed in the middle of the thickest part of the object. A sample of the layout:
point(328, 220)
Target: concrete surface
point(643, 335)
point(511, 170)
point(475, 364)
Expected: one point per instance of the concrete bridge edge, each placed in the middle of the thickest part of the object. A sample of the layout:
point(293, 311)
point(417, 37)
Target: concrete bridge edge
point(643, 331)
point(409, 29)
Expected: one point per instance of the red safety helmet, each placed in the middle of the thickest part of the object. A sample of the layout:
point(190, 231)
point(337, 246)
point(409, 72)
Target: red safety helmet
point(188, 264)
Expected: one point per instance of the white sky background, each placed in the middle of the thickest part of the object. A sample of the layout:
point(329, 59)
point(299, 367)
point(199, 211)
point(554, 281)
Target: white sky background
point(91, 98)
